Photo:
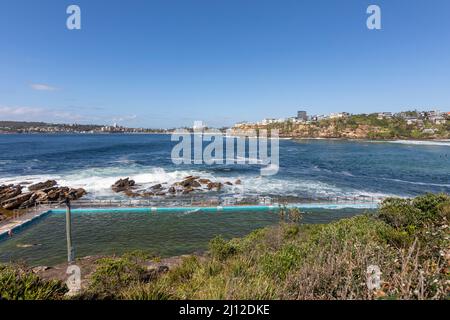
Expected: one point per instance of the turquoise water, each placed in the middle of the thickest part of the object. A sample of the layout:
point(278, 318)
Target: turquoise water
point(161, 234)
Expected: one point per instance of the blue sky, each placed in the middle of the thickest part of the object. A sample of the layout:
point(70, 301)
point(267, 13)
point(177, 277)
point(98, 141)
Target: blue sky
point(167, 63)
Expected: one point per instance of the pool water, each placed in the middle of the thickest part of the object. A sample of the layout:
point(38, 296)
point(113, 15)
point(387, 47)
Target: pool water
point(44, 243)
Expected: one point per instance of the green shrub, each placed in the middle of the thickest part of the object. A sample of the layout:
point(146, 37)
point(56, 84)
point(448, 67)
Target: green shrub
point(221, 249)
point(114, 274)
point(412, 214)
point(18, 284)
point(185, 270)
point(278, 264)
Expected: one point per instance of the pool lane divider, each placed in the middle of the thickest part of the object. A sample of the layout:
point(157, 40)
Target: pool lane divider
point(150, 210)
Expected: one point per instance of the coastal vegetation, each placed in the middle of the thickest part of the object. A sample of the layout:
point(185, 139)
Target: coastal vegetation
point(362, 126)
point(407, 239)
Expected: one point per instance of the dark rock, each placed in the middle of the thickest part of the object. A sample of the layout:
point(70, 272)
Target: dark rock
point(215, 185)
point(131, 194)
point(16, 202)
point(42, 185)
point(195, 184)
point(30, 202)
point(188, 190)
point(204, 181)
point(191, 178)
point(123, 184)
point(228, 183)
point(238, 181)
point(172, 190)
point(156, 187)
point(147, 194)
point(9, 192)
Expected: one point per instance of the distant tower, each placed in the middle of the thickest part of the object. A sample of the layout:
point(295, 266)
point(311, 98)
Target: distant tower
point(302, 115)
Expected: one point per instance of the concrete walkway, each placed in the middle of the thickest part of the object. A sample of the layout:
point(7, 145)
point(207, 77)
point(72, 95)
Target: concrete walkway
point(15, 222)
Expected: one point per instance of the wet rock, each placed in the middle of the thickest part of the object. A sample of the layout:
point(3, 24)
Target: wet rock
point(195, 184)
point(215, 185)
point(191, 178)
point(188, 190)
point(228, 183)
point(30, 202)
point(42, 185)
point(238, 182)
point(123, 184)
point(147, 194)
point(11, 197)
point(131, 194)
point(16, 202)
point(172, 190)
point(9, 192)
point(156, 187)
point(204, 181)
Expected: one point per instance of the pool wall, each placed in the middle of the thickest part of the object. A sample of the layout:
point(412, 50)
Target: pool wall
point(255, 208)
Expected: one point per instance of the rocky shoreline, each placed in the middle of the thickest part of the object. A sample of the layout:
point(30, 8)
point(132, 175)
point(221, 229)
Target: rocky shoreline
point(186, 186)
point(12, 196)
point(15, 197)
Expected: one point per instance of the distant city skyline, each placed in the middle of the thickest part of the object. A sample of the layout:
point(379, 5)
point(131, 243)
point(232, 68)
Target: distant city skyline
point(156, 64)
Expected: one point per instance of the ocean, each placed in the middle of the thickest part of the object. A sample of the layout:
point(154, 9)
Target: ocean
point(309, 169)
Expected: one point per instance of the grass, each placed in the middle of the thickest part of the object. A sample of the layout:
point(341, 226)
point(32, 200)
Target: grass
point(19, 284)
point(408, 239)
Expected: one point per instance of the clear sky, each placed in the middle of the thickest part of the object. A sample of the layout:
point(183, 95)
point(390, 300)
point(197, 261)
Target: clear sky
point(166, 63)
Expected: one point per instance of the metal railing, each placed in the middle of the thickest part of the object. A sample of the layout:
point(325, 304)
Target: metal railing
point(210, 201)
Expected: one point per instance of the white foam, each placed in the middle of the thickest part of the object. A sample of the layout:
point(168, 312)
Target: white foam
point(98, 182)
point(445, 143)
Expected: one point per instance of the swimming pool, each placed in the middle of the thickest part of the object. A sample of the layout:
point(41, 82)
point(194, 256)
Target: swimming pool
point(103, 232)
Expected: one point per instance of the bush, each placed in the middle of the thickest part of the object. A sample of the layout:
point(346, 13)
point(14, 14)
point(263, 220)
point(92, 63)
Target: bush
point(114, 274)
point(221, 249)
point(18, 284)
point(412, 214)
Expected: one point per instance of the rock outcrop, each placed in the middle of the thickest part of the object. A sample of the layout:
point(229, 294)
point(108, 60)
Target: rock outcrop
point(42, 185)
point(12, 197)
point(186, 186)
point(122, 185)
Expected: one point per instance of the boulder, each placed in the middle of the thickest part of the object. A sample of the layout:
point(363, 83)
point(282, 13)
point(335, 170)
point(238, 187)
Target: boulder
point(215, 185)
point(156, 187)
point(9, 192)
point(238, 182)
point(123, 184)
point(172, 190)
point(16, 202)
point(195, 184)
point(42, 185)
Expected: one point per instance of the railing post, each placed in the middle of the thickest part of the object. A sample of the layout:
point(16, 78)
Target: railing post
point(70, 253)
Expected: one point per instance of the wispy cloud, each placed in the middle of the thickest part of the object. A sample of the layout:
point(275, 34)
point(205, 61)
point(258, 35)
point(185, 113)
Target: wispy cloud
point(124, 118)
point(42, 87)
point(60, 115)
point(39, 114)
